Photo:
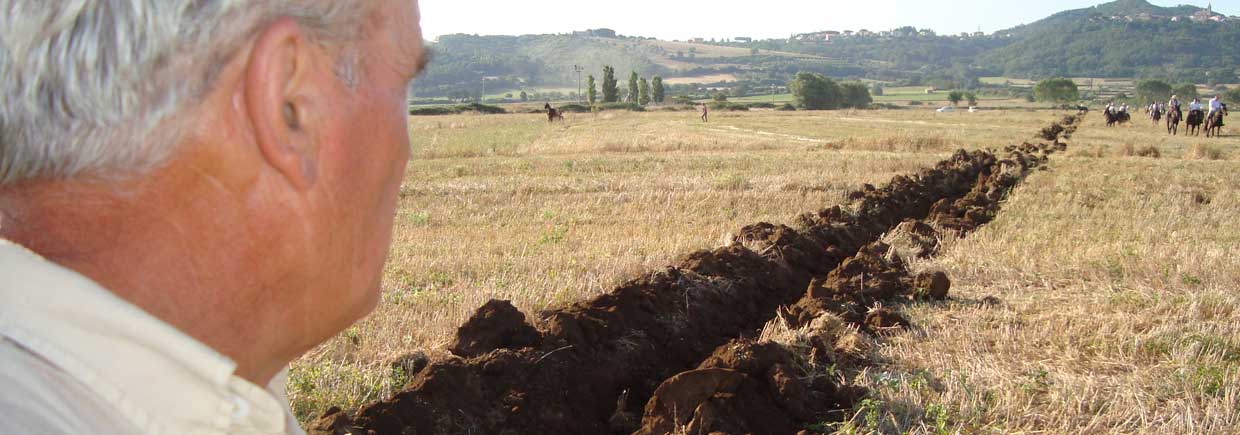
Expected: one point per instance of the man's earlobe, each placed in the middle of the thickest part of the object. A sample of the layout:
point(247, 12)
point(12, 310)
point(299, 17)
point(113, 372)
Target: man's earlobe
point(279, 89)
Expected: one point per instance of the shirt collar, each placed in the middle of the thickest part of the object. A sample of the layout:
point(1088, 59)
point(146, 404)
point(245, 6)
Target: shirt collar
point(152, 372)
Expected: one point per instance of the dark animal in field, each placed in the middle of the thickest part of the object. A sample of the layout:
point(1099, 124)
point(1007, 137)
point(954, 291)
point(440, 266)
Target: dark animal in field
point(553, 114)
point(1116, 118)
point(1081, 110)
point(1193, 122)
point(1156, 115)
point(1214, 125)
point(1173, 122)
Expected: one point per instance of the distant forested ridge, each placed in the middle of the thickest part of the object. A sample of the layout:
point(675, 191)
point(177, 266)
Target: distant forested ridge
point(1121, 39)
point(1127, 38)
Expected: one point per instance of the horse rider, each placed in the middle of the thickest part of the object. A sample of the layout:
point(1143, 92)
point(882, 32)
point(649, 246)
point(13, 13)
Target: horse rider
point(1194, 108)
point(1124, 108)
point(1216, 105)
point(1111, 107)
point(1174, 104)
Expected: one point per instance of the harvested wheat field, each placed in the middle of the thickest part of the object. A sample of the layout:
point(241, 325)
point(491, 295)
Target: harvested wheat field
point(803, 272)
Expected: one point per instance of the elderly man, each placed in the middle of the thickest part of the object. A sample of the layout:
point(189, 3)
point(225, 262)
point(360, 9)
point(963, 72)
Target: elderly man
point(192, 194)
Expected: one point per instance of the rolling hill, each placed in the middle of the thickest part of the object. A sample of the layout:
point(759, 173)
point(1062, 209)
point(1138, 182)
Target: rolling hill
point(1125, 38)
point(1120, 39)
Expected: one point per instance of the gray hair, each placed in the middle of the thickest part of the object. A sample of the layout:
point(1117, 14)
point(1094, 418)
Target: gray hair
point(88, 84)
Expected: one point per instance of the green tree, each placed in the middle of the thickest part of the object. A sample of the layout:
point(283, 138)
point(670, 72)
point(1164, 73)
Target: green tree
point(525, 96)
point(1153, 90)
point(742, 89)
point(815, 92)
point(633, 89)
point(876, 90)
point(643, 92)
point(1059, 90)
point(658, 92)
point(955, 97)
point(856, 95)
point(611, 90)
point(972, 98)
point(1186, 91)
point(1232, 95)
point(591, 92)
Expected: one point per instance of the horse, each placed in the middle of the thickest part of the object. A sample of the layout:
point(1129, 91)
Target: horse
point(1116, 118)
point(1214, 125)
point(1082, 110)
point(1173, 121)
point(552, 113)
point(1156, 115)
point(1193, 122)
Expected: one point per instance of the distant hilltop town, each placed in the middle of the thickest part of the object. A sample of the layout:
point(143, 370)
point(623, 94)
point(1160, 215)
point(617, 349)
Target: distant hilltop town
point(1206, 15)
point(830, 36)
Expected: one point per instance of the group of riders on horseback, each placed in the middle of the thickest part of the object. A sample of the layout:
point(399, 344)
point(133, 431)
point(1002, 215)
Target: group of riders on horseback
point(1172, 110)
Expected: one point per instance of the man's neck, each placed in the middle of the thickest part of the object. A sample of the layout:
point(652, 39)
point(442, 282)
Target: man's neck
point(153, 256)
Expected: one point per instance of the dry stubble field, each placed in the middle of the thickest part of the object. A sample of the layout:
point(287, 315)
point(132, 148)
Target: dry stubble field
point(1117, 273)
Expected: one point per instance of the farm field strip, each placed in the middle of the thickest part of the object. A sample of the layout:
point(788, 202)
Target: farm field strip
point(613, 346)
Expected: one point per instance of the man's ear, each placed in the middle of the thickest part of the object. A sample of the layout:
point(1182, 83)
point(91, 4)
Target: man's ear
point(279, 94)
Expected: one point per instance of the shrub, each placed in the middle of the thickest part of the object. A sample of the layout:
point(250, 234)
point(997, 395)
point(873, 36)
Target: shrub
point(434, 111)
point(574, 108)
point(483, 108)
point(787, 107)
point(725, 106)
point(679, 108)
point(761, 105)
point(632, 107)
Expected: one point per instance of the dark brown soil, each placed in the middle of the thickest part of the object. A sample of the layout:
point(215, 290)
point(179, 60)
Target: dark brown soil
point(497, 325)
point(677, 349)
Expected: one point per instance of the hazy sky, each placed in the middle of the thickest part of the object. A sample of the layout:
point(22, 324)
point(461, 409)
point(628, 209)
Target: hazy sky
point(683, 19)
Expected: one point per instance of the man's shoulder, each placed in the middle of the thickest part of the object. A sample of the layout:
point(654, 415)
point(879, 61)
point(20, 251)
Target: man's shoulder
point(38, 397)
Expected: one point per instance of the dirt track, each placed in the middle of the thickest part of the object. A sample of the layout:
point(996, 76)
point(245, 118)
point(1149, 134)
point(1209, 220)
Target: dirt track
point(680, 349)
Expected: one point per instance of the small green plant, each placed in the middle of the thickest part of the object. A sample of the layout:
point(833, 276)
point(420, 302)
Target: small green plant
point(554, 234)
point(420, 218)
point(873, 411)
point(1190, 280)
point(734, 182)
point(936, 418)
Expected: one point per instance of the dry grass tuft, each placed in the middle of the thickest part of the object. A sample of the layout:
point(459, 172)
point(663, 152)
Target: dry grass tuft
point(1129, 150)
point(1203, 152)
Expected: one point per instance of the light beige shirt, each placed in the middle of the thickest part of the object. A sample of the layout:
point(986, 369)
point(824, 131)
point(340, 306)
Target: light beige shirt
point(76, 359)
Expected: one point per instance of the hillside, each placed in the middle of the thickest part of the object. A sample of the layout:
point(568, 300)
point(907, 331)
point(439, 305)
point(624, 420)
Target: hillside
point(1120, 39)
point(1125, 38)
point(462, 63)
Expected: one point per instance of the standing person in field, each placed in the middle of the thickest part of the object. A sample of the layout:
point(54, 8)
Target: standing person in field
point(705, 113)
point(192, 194)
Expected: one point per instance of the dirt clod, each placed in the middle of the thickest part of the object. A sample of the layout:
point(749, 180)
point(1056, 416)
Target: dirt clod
point(497, 325)
point(884, 320)
point(932, 285)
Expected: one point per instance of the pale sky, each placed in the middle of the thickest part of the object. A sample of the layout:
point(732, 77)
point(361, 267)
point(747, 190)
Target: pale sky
point(683, 19)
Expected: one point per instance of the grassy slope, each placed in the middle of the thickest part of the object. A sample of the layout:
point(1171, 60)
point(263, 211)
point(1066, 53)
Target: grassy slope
point(1115, 284)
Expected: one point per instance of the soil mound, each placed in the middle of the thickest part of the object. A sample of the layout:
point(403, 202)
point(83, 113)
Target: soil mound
point(497, 325)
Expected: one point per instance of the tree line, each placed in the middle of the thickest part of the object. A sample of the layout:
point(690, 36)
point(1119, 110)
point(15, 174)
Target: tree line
point(640, 90)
